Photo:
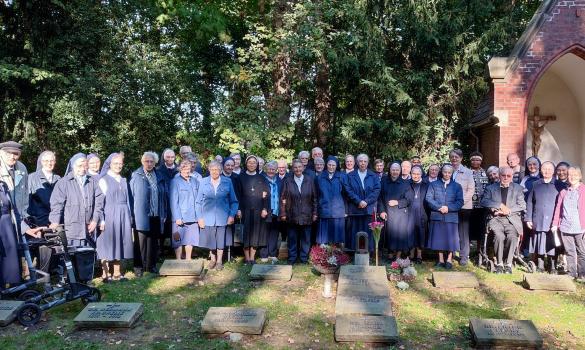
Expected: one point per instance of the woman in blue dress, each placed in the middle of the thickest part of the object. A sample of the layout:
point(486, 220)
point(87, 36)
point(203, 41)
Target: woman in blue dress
point(445, 199)
point(216, 207)
point(331, 186)
point(114, 242)
point(183, 193)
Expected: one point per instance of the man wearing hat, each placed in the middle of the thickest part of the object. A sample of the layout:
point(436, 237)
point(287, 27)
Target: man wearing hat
point(15, 175)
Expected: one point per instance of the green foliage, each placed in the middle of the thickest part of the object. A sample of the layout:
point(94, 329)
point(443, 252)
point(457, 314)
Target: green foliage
point(387, 77)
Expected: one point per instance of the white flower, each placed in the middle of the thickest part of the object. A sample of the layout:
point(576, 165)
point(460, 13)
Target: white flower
point(332, 260)
point(324, 246)
point(409, 271)
point(402, 285)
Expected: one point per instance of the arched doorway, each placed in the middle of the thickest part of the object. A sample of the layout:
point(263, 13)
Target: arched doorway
point(560, 92)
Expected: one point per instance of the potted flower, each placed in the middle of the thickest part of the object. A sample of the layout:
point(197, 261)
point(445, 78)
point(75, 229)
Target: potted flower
point(376, 227)
point(401, 270)
point(327, 259)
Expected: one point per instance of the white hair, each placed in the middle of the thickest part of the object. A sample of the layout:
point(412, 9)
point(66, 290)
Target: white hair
point(319, 160)
point(214, 164)
point(304, 153)
point(315, 149)
point(363, 156)
point(272, 163)
point(150, 154)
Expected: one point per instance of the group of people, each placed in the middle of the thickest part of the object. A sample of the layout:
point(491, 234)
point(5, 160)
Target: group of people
point(254, 203)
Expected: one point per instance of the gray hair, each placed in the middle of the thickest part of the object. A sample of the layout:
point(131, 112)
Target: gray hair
point(447, 166)
point(167, 151)
point(44, 154)
point(315, 149)
point(214, 164)
point(319, 160)
point(150, 154)
point(491, 169)
point(184, 162)
point(363, 156)
point(505, 169)
point(185, 149)
point(272, 163)
point(235, 154)
point(295, 161)
point(348, 157)
point(457, 151)
point(304, 153)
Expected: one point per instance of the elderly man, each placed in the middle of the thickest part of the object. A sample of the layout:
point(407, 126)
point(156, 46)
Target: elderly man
point(148, 190)
point(15, 175)
point(282, 169)
point(316, 152)
point(464, 177)
point(514, 162)
point(304, 159)
point(77, 203)
point(505, 203)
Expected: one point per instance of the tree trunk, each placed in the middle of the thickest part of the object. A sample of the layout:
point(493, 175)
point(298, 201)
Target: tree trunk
point(322, 103)
point(280, 100)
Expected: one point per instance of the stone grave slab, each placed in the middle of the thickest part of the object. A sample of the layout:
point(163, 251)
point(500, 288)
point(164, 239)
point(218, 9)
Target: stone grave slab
point(172, 267)
point(366, 328)
point(8, 309)
point(360, 285)
point(234, 319)
point(362, 304)
point(370, 272)
point(537, 281)
point(504, 333)
point(109, 315)
point(271, 272)
point(455, 280)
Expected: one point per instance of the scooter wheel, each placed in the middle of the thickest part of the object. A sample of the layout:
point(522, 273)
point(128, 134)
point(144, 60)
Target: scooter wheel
point(29, 314)
point(28, 294)
point(531, 267)
point(491, 266)
point(93, 297)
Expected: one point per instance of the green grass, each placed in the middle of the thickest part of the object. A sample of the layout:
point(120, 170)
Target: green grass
point(298, 317)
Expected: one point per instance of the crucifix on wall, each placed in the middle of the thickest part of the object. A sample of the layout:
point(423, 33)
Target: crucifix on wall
point(538, 123)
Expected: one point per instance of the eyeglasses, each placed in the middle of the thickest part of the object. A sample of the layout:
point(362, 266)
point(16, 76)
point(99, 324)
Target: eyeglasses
point(505, 175)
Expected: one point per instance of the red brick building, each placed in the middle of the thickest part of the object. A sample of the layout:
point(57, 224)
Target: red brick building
point(545, 70)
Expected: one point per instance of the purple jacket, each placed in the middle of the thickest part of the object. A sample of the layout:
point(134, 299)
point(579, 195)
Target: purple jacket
point(581, 205)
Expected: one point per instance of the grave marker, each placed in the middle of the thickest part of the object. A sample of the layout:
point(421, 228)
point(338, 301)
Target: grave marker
point(171, 267)
point(504, 333)
point(271, 272)
point(234, 319)
point(8, 311)
point(366, 328)
point(538, 281)
point(455, 280)
point(109, 315)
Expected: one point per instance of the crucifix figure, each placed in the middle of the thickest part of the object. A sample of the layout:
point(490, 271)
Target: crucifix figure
point(538, 123)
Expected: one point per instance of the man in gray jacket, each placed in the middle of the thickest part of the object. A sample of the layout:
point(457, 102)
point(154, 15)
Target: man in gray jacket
point(505, 204)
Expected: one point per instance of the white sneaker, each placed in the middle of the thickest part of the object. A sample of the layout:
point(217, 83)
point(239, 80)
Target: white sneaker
point(264, 260)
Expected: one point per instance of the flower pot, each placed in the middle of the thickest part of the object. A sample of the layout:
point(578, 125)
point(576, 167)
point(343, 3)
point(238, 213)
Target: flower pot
point(329, 273)
point(326, 270)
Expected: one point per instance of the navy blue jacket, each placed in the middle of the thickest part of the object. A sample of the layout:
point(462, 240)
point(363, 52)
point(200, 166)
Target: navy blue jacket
point(540, 205)
point(140, 188)
point(451, 196)
point(356, 193)
point(393, 190)
point(39, 198)
point(332, 194)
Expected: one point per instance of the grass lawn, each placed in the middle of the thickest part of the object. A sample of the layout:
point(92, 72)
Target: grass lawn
point(299, 318)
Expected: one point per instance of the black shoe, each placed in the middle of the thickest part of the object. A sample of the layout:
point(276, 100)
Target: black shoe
point(153, 270)
point(508, 270)
point(499, 269)
point(440, 264)
point(418, 261)
point(448, 265)
point(138, 272)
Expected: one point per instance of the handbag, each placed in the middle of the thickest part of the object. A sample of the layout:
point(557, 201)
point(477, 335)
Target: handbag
point(239, 233)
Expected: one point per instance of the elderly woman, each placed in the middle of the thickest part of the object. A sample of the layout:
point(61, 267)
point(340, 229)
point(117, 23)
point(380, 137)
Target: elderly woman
point(463, 176)
point(254, 206)
point(40, 186)
point(298, 207)
point(540, 208)
point(168, 169)
point(184, 189)
point(569, 219)
point(114, 242)
point(531, 175)
point(304, 158)
point(93, 164)
point(79, 211)
point(319, 166)
point(418, 218)
point(433, 173)
point(216, 206)
point(405, 166)
point(393, 206)
point(363, 190)
point(237, 158)
point(379, 168)
point(331, 186)
point(562, 175)
point(9, 260)
point(275, 227)
point(493, 173)
point(445, 199)
point(349, 164)
point(148, 191)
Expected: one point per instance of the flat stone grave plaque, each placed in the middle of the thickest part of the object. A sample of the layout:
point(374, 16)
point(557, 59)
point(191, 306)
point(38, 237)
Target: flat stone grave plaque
point(171, 267)
point(362, 303)
point(359, 285)
point(234, 319)
point(370, 272)
point(371, 329)
point(271, 272)
point(455, 280)
point(8, 309)
point(504, 333)
point(108, 315)
point(539, 281)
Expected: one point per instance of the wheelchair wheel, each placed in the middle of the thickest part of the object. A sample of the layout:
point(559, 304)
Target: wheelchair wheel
point(28, 294)
point(29, 314)
point(93, 297)
point(491, 267)
point(531, 267)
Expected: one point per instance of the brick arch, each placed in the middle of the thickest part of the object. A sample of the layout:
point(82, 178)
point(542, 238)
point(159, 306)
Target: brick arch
point(532, 83)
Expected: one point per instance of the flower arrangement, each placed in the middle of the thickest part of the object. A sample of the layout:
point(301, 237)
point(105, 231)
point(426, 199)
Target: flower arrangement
point(401, 270)
point(328, 257)
point(376, 227)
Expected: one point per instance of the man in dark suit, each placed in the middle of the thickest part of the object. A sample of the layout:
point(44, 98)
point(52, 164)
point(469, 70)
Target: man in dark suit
point(505, 203)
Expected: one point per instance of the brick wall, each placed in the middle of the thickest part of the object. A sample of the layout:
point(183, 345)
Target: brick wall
point(562, 32)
